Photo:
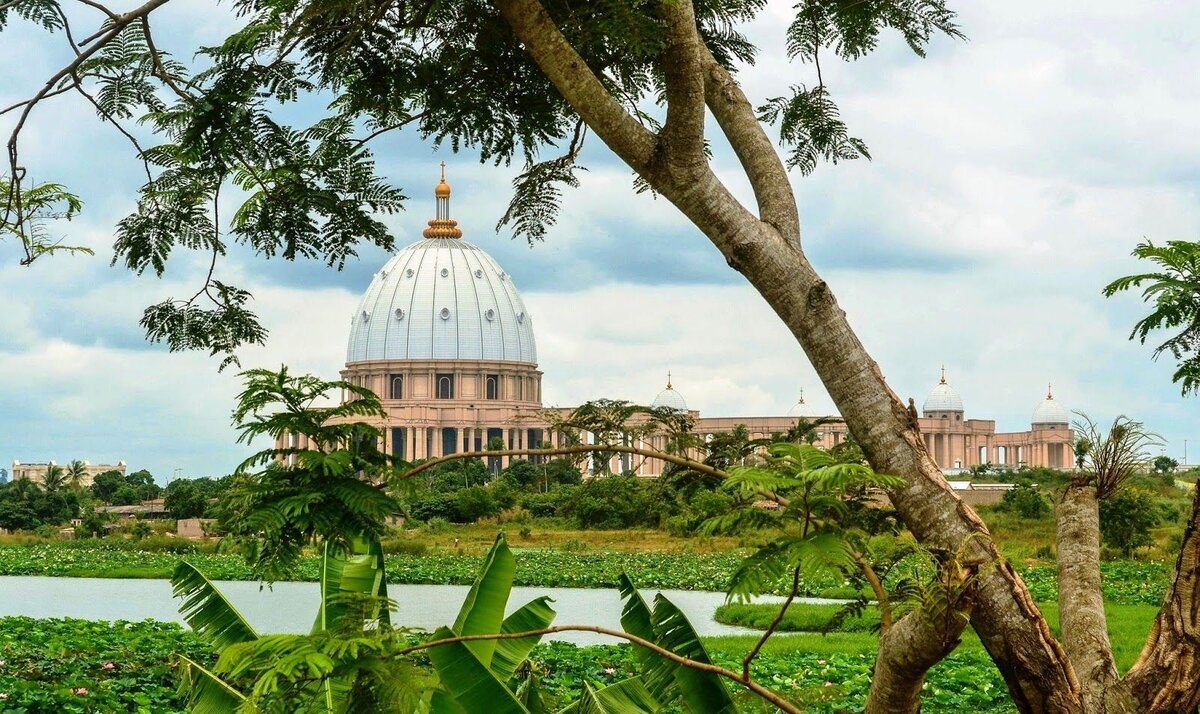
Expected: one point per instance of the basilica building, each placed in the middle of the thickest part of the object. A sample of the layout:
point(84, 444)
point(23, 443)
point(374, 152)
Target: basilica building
point(443, 337)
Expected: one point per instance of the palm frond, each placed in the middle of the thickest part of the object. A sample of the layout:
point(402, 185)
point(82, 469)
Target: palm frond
point(207, 611)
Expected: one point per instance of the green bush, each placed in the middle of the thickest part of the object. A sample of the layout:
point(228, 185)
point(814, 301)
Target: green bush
point(1026, 501)
point(1126, 518)
point(475, 503)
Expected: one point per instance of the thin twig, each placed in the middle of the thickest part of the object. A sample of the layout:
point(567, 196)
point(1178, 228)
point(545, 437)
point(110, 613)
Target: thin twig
point(771, 628)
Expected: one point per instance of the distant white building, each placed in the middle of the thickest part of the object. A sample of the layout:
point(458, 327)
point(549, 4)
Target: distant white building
point(36, 472)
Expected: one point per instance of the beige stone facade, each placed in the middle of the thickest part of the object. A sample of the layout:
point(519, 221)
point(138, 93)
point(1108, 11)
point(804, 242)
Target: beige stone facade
point(36, 472)
point(443, 337)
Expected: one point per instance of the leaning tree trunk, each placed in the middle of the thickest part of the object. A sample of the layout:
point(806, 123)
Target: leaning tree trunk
point(906, 652)
point(1080, 600)
point(1165, 677)
point(766, 249)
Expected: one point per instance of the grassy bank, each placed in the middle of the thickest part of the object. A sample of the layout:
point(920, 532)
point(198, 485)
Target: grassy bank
point(1127, 626)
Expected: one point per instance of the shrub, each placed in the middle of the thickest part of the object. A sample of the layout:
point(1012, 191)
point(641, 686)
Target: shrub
point(1026, 501)
point(475, 503)
point(1126, 518)
point(442, 506)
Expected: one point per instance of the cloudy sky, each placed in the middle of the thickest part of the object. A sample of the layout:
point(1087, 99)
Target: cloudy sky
point(1012, 175)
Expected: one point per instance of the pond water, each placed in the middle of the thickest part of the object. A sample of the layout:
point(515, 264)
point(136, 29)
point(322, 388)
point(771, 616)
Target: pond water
point(291, 607)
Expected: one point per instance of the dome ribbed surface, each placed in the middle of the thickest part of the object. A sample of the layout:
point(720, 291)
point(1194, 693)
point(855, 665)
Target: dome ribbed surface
point(1051, 411)
point(441, 298)
point(942, 398)
point(671, 399)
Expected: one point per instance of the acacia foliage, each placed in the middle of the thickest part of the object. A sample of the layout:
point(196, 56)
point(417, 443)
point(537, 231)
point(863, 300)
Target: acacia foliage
point(222, 124)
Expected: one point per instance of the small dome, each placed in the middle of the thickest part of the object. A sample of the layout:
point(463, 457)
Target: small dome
point(1051, 411)
point(942, 398)
point(800, 408)
point(669, 398)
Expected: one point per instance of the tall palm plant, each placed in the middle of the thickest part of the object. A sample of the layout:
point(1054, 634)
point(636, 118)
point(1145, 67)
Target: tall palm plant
point(76, 475)
point(1174, 291)
point(55, 478)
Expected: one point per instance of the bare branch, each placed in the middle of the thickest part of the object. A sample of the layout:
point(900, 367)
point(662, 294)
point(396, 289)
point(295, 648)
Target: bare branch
point(771, 628)
point(754, 687)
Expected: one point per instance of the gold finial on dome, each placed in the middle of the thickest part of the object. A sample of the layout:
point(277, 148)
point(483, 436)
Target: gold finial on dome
point(669, 380)
point(1049, 392)
point(943, 379)
point(801, 402)
point(442, 226)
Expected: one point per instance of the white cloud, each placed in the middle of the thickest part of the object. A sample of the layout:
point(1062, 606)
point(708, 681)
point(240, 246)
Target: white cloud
point(1012, 175)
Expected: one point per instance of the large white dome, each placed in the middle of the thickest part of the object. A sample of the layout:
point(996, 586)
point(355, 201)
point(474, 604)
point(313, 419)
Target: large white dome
point(1051, 411)
point(442, 298)
point(942, 398)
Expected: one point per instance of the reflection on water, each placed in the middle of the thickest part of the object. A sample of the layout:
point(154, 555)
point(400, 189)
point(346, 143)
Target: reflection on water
point(291, 607)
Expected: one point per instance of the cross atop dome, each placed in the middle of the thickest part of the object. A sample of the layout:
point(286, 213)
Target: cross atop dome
point(442, 226)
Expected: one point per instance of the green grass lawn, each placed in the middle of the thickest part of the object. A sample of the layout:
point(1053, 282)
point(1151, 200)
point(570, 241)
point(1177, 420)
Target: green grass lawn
point(1127, 627)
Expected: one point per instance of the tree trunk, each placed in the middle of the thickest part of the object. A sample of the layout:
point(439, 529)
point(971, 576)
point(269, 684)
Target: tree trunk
point(1166, 677)
point(906, 652)
point(766, 250)
point(1080, 601)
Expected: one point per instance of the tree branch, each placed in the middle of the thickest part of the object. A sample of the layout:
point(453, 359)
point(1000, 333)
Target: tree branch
point(754, 687)
point(881, 596)
point(682, 135)
point(754, 149)
point(906, 652)
point(579, 86)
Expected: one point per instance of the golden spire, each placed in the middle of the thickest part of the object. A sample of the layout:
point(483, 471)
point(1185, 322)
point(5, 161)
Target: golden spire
point(669, 379)
point(1049, 392)
point(801, 402)
point(442, 226)
point(943, 379)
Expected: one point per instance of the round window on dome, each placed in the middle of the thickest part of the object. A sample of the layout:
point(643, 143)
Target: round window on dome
point(478, 273)
point(445, 272)
point(490, 314)
point(399, 313)
point(445, 313)
point(409, 272)
point(366, 315)
point(521, 317)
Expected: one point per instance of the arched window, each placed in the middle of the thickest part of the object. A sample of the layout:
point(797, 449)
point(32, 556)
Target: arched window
point(493, 386)
point(397, 391)
point(445, 386)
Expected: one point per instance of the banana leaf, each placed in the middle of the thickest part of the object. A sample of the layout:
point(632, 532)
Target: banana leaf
point(206, 693)
point(360, 572)
point(472, 685)
point(530, 695)
point(703, 692)
point(534, 615)
point(628, 696)
point(658, 673)
point(210, 615)
point(482, 612)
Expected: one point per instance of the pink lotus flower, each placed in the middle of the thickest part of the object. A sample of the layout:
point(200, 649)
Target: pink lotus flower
point(829, 684)
point(3, 696)
point(109, 665)
point(81, 691)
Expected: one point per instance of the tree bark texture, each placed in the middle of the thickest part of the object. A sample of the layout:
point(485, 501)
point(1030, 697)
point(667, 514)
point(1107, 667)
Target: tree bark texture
point(1080, 601)
point(766, 250)
point(1166, 677)
point(906, 652)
